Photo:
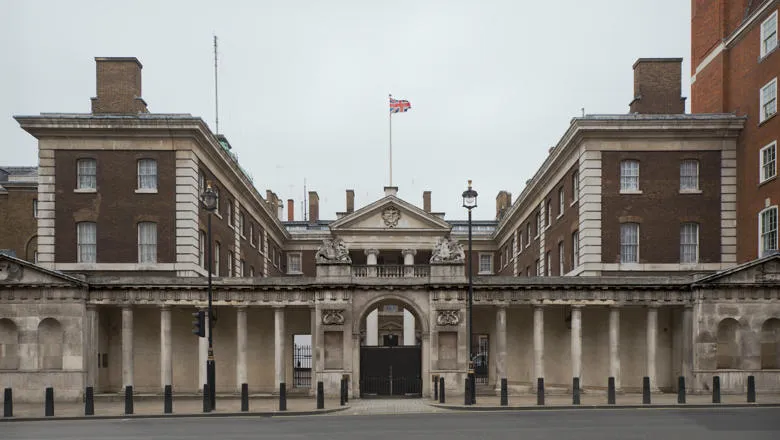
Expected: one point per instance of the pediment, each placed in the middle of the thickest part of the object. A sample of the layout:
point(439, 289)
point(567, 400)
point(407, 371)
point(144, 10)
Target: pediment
point(15, 272)
point(762, 271)
point(389, 214)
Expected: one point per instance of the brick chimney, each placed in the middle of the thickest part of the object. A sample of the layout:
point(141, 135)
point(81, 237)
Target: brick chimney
point(350, 201)
point(118, 86)
point(658, 86)
point(503, 202)
point(427, 201)
point(290, 210)
point(314, 207)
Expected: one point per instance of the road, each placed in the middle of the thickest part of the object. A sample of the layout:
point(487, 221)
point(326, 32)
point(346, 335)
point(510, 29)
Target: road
point(624, 424)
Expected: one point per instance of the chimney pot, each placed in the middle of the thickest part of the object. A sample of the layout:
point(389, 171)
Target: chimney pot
point(290, 210)
point(658, 86)
point(314, 207)
point(427, 201)
point(350, 201)
point(118, 86)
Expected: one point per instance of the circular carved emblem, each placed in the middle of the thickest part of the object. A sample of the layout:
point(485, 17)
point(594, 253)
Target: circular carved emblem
point(391, 215)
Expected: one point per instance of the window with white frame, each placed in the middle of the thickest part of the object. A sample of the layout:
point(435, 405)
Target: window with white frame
point(575, 186)
point(201, 182)
point(548, 214)
point(35, 208)
point(767, 229)
point(520, 241)
point(769, 34)
point(230, 264)
point(87, 174)
point(147, 174)
point(768, 156)
point(278, 258)
point(629, 175)
point(216, 193)
point(560, 202)
point(561, 257)
point(147, 242)
point(539, 223)
point(485, 263)
point(689, 243)
point(528, 235)
point(251, 233)
point(548, 263)
point(217, 250)
point(689, 175)
point(575, 249)
point(241, 224)
point(201, 249)
point(294, 263)
point(230, 214)
point(538, 267)
point(86, 242)
point(629, 243)
point(768, 100)
point(244, 270)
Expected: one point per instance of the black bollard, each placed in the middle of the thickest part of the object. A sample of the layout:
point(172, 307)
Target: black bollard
point(282, 397)
point(320, 395)
point(467, 392)
point(715, 389)
point(89, 403)
point(751, 391)
point(681, 390)
point(341, 393)
point(611, 391)
point(441, 390)
point(575, 391)
point(244, 397)
point(540, 391)
point(206, 398)
point(346, 388)
point(168, 400)
point(129, 399)
point(646, 390)
point(435, 388)
point(49, 405)
point(8, 403)
point(504, 392)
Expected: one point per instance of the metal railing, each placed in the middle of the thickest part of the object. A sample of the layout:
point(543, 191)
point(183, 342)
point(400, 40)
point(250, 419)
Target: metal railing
point(391, 271)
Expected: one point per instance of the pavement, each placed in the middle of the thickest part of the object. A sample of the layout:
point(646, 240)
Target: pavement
point(721, 423)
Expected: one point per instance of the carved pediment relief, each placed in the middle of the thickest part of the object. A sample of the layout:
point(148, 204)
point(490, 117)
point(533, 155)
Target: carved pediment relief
point(390, 213)
point(765, 270)
point(16, 271)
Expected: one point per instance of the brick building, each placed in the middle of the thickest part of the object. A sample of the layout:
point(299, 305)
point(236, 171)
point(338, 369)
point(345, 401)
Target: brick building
point(19, 211)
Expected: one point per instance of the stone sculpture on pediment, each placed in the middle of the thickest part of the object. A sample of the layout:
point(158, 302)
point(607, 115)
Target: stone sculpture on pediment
point(333, 251)
point(391, 215)
point(10, 271)
point(448, 250)
point(332, 317)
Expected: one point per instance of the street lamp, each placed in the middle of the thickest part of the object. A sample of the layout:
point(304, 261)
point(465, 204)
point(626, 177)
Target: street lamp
point(470, 202)
point(209, 200)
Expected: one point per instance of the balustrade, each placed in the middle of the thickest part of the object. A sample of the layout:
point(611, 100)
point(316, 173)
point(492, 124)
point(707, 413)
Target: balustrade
point(391, 271)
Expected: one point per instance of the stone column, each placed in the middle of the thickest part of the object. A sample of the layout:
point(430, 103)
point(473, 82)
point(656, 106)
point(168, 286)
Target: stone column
point(127, 346)
point(538, 342)
point(203, 354)
point(652, 337)
point(241, 346)
point(91, 345)
point(315, 351)
point(279, 347)
point(500, 345)
point(687, 345)
point(576, 341)
point(409, 261)
point(371, 255)
point(614, 344)
point(166, 347)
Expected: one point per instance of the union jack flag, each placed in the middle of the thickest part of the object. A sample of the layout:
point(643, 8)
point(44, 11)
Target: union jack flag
point(399, 105)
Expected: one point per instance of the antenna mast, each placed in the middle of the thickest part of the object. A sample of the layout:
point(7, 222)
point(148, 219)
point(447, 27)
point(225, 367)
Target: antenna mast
point(216, 87)
point(305, 202)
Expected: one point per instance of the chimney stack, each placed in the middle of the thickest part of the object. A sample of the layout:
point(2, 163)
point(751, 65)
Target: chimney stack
point(290, 210)
point(118, 86)
point(427, 201)
point(314, 207)
point(658, 86)
point(350, 201)
point(503, 202)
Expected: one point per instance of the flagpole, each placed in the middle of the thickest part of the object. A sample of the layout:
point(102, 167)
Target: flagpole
point(390, 118)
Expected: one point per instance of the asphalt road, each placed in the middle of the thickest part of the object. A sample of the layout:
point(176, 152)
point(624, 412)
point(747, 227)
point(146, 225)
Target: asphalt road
point(688, 424)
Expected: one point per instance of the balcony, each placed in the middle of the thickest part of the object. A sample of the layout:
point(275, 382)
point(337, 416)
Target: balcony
point(391, 271)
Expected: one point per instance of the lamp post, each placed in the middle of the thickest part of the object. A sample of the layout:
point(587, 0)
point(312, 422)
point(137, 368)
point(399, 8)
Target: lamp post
point(470, 202)
point(209, 200)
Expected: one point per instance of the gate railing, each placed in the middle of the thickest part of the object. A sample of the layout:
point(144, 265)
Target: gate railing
point(390, 386)
point(391, 271)
point(301, 366)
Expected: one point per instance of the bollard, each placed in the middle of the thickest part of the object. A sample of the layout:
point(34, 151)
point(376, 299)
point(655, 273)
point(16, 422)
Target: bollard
point(282, 397)
point(540, 391)
point(8, 403)
point(575, 391)
point(504, 392)
point(611, 391)
point(751, 391)
point(715, 389)
point(646, 390)
point(89, 403)
point(168, 400)
point(206, 398)
point(681, 390)
point(441, 390)
point(435, 388)
point(49, 405)
point(129, 399)
point(320, 395)
point(341, 392)
point(244, 397)
point(346, 388)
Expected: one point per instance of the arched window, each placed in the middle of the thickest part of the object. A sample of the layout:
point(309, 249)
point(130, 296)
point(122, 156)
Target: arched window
point(770, 344)
point(50, 341)
point(9, 345)
point(728, 352)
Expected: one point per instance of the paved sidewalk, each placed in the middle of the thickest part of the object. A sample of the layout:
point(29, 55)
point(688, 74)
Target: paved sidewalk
point(379, 406)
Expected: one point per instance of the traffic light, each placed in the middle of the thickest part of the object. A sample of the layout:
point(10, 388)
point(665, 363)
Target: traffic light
point(199, 324)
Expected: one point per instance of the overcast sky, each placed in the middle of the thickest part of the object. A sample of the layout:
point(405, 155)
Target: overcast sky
point(303, 84)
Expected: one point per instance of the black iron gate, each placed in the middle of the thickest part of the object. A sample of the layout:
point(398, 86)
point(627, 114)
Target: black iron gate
point(301, 366)
point(391, 371)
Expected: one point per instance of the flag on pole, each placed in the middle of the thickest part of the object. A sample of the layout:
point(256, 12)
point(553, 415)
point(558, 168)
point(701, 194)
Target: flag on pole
point(399, 105)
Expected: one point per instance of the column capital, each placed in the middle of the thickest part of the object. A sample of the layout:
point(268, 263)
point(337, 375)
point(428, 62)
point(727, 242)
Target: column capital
point(688, 306)
point(577, 306)
point(91, 307)
point(411, 252)
point(538, 306)
point(615, 306)
point(242, 307)
point(164, 307)
point(654, 306)
point(371, 251)
point(126, 307)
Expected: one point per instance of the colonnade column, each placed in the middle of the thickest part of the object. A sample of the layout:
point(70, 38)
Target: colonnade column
point(92, 347)
point(166, 347)
point(538, 342)
point(279, 345)
point(614, 344)
point(371, 260)
point(127, 346)
point(576, 341)
point(241, 347)
point(500, 345)
point(687, 344)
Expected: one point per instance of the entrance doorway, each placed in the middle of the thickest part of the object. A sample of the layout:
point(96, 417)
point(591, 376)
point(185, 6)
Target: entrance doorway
point(301, 361)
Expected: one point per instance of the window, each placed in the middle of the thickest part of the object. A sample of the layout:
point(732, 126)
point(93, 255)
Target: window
point(575, 249)
point(561, 269)
point(520, 240)
point(252, 271)
point(201, 182)
point(768, 100)
point(629, 175)
point(251, 233)
point(230, 263)
point(689, 243)
point(216, 192)
point(689, 175)
point(548, 263)
point(231, 218)
point(201, 250)
point(86, 239)
point(35, 257)
point(294, 263)
point(560, 202)
point(769, 34)
point(528, 233)
point(147, 242)
point(87, 174)
point(244, 271)
point(767, 228)
point(768, 161)
point(147, 174)
point(548, 213)
point(35, 208)
point(538, 267)
point(629, 243)
point(216, 259)
point(278, 258)
point(575, 186)
point(241, 224)
point(538, 224)
point(485, 263)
